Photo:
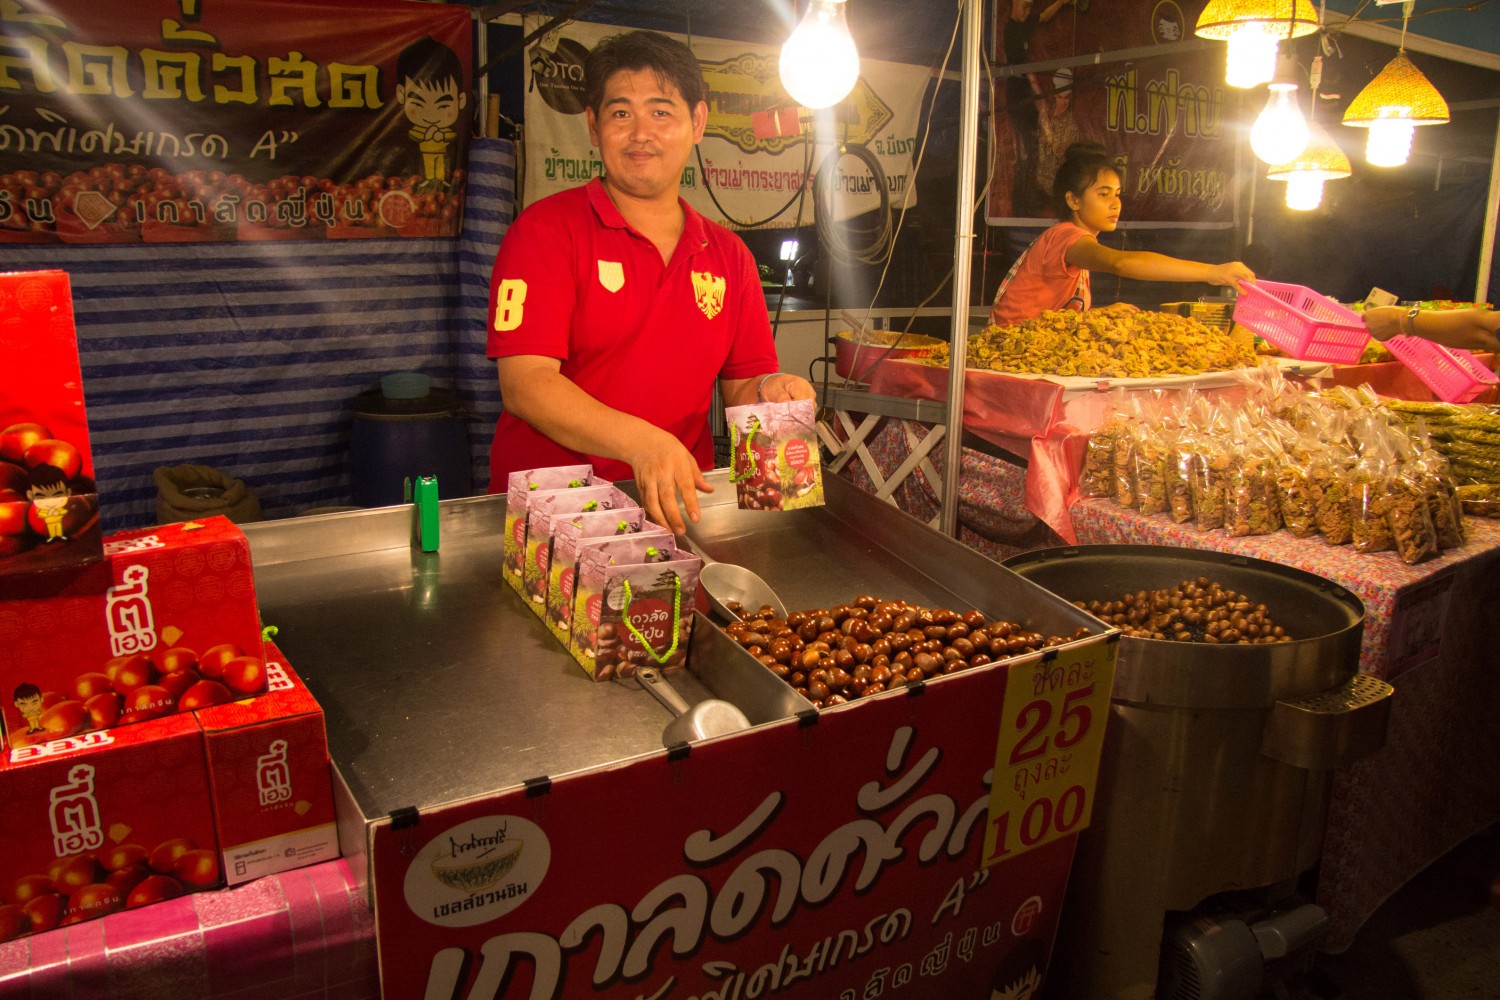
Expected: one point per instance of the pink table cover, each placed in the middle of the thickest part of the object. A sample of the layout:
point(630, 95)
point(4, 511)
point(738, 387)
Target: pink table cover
point(1426, 631)
point(299, 935)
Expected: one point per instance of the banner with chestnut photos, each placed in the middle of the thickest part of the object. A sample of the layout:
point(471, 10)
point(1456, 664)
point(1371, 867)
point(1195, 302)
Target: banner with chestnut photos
point(839, 857)
point(169, 121)
point(1166, 120)
point(736, 179)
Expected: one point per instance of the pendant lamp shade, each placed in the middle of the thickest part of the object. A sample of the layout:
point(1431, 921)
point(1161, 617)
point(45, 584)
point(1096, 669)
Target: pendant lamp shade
point(1399, 91)
point(1253, 29)
point(1321, 160)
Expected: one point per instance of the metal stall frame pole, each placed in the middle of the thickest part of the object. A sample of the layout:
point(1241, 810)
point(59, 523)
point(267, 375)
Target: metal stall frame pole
point(963, 262)
point(1491, 211)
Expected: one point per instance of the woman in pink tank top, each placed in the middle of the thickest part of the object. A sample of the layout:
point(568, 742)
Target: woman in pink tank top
point(1053, 273)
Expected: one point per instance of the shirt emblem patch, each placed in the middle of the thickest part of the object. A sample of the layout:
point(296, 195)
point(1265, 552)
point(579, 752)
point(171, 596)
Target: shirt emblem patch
point(611, 275)
point(708, 292)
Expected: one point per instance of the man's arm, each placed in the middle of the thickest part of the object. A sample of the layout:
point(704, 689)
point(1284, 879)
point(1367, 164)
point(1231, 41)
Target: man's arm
point(778, 387)
point(666, 474)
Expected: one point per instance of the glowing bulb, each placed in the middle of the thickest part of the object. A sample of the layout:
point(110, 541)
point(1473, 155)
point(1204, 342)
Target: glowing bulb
point(1389, 142)
point(1304, 190)
point(1279, 135)
point(819, 63)
point(1252, 56)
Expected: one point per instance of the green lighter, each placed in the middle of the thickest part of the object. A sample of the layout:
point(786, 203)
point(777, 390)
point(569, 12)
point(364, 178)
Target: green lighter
point(422, 492)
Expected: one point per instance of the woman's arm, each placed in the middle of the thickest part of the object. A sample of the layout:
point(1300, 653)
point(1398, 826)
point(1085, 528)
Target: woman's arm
point(1470, 329)
point(1143, 265)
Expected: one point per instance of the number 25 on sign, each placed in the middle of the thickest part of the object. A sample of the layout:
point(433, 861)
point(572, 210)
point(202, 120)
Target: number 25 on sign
point(1047, 757)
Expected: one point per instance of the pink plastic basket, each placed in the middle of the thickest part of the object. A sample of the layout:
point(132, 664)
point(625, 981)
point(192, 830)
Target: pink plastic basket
point(1454, 375)
point(1302, 323)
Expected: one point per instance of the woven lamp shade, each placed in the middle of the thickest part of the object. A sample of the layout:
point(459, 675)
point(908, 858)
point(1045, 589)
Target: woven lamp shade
point(1322, 157)
point(1398, 91)
point(1282, 18)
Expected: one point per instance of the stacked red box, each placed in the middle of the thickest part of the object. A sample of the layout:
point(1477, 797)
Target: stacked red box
point(167, 623)
point(102, 822)
point(49, 505)
point(272, 786)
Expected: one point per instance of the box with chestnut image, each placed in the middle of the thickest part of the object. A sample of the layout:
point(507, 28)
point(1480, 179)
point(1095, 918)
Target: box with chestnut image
point(103, 822)
point(167, 623)
point(272, 786)
point(633, 605)
point(774, 455)
point(49, 505)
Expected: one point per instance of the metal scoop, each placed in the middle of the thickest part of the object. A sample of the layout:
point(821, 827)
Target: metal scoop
point(711, 717)
point(726, 582)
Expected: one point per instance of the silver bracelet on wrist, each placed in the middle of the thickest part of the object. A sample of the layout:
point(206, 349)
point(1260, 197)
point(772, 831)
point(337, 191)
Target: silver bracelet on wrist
point(760, 390)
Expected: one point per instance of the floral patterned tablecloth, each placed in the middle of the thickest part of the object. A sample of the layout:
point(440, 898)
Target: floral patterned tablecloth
point(299, 935)
point(1426, 631)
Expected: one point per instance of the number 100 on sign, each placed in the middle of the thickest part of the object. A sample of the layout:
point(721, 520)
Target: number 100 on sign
point(1047, 757)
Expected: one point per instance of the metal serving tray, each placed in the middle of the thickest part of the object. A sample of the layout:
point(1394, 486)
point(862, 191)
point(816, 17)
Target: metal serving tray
point(439, 685)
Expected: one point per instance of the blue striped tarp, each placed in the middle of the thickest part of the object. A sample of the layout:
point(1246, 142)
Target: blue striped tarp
point(247, 356)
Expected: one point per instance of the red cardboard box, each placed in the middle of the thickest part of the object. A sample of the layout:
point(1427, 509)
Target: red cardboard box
point(167, 623)
point(49, 505)
point(272, 787)
point(104, 822)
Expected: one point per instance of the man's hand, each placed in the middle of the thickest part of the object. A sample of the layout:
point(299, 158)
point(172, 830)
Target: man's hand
point(667, 478)
point(783, 388)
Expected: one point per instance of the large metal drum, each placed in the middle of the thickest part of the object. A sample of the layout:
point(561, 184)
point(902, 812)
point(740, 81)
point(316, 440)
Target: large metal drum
point(1216, 757)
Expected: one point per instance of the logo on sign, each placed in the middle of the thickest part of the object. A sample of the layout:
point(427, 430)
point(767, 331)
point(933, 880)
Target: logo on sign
point(273, 778)
point(128, 612)
point(477, 871)
point(76, 825)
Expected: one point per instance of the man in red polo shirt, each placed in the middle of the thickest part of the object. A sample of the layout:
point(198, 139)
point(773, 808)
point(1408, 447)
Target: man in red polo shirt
point(615, 306)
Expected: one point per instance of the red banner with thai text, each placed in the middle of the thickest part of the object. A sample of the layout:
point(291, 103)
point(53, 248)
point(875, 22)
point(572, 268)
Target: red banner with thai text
point(841, 860)
point(1164, 118)
point(212, 120)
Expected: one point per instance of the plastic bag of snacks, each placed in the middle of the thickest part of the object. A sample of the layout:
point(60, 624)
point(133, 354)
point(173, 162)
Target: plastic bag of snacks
point(1180, 472)
point(1411, 524)
point(1149, 459)
point(1209, 473)
point(1295, 492)
point(1098, 479)
point(1124, 455)
point(774, 456)
point(1443, 505)
point(1370, 497)
point(1331, 474)
point(1250, 506)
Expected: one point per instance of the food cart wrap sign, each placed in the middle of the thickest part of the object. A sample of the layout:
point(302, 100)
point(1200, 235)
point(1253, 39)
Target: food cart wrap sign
point(837, 860)
point(198, 120)
point(752, 178)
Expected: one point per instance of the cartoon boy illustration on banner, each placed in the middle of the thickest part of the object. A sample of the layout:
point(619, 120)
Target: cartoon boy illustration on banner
point(431, 94)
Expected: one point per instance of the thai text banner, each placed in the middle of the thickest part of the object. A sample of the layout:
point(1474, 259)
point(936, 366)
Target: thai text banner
point(739, 180)
point(205, 120)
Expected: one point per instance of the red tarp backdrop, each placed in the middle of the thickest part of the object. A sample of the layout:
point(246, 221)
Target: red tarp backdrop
point(184, 120)
point(1163, 118)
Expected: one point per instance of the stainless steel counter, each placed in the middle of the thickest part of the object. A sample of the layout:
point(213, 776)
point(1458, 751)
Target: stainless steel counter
point(440, 685)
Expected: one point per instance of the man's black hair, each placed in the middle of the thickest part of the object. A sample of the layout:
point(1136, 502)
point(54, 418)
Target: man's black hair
point(431, 63)
point(672, 61)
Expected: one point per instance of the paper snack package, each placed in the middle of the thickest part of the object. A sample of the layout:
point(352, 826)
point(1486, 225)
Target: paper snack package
point(167, 623)
point(631, 612)
point(268, 768)
point(49, 505)
point(103, 822)
point(775, 462)
point(518, 490)
point(562, 571)
point(542, 513)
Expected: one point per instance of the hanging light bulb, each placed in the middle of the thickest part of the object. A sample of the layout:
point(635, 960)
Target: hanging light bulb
point(819, 63)
point(1391, 106)
point(1321, 160)
point(1280, 132)
point(1253, 28)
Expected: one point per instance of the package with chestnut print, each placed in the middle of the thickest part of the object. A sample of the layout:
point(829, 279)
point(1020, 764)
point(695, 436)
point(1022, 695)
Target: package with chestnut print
point(167, 623)
point(518, 491)
point(633, 605)
point(104, 822)
point(562, 570)
point(774, 459)
point(545, 509)
point(49, 505)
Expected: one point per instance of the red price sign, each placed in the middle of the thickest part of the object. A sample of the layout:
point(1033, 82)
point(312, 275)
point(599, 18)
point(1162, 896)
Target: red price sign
point(1047, 759)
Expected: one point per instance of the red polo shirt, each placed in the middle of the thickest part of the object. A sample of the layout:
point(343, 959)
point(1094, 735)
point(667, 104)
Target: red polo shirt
point(573, 281)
